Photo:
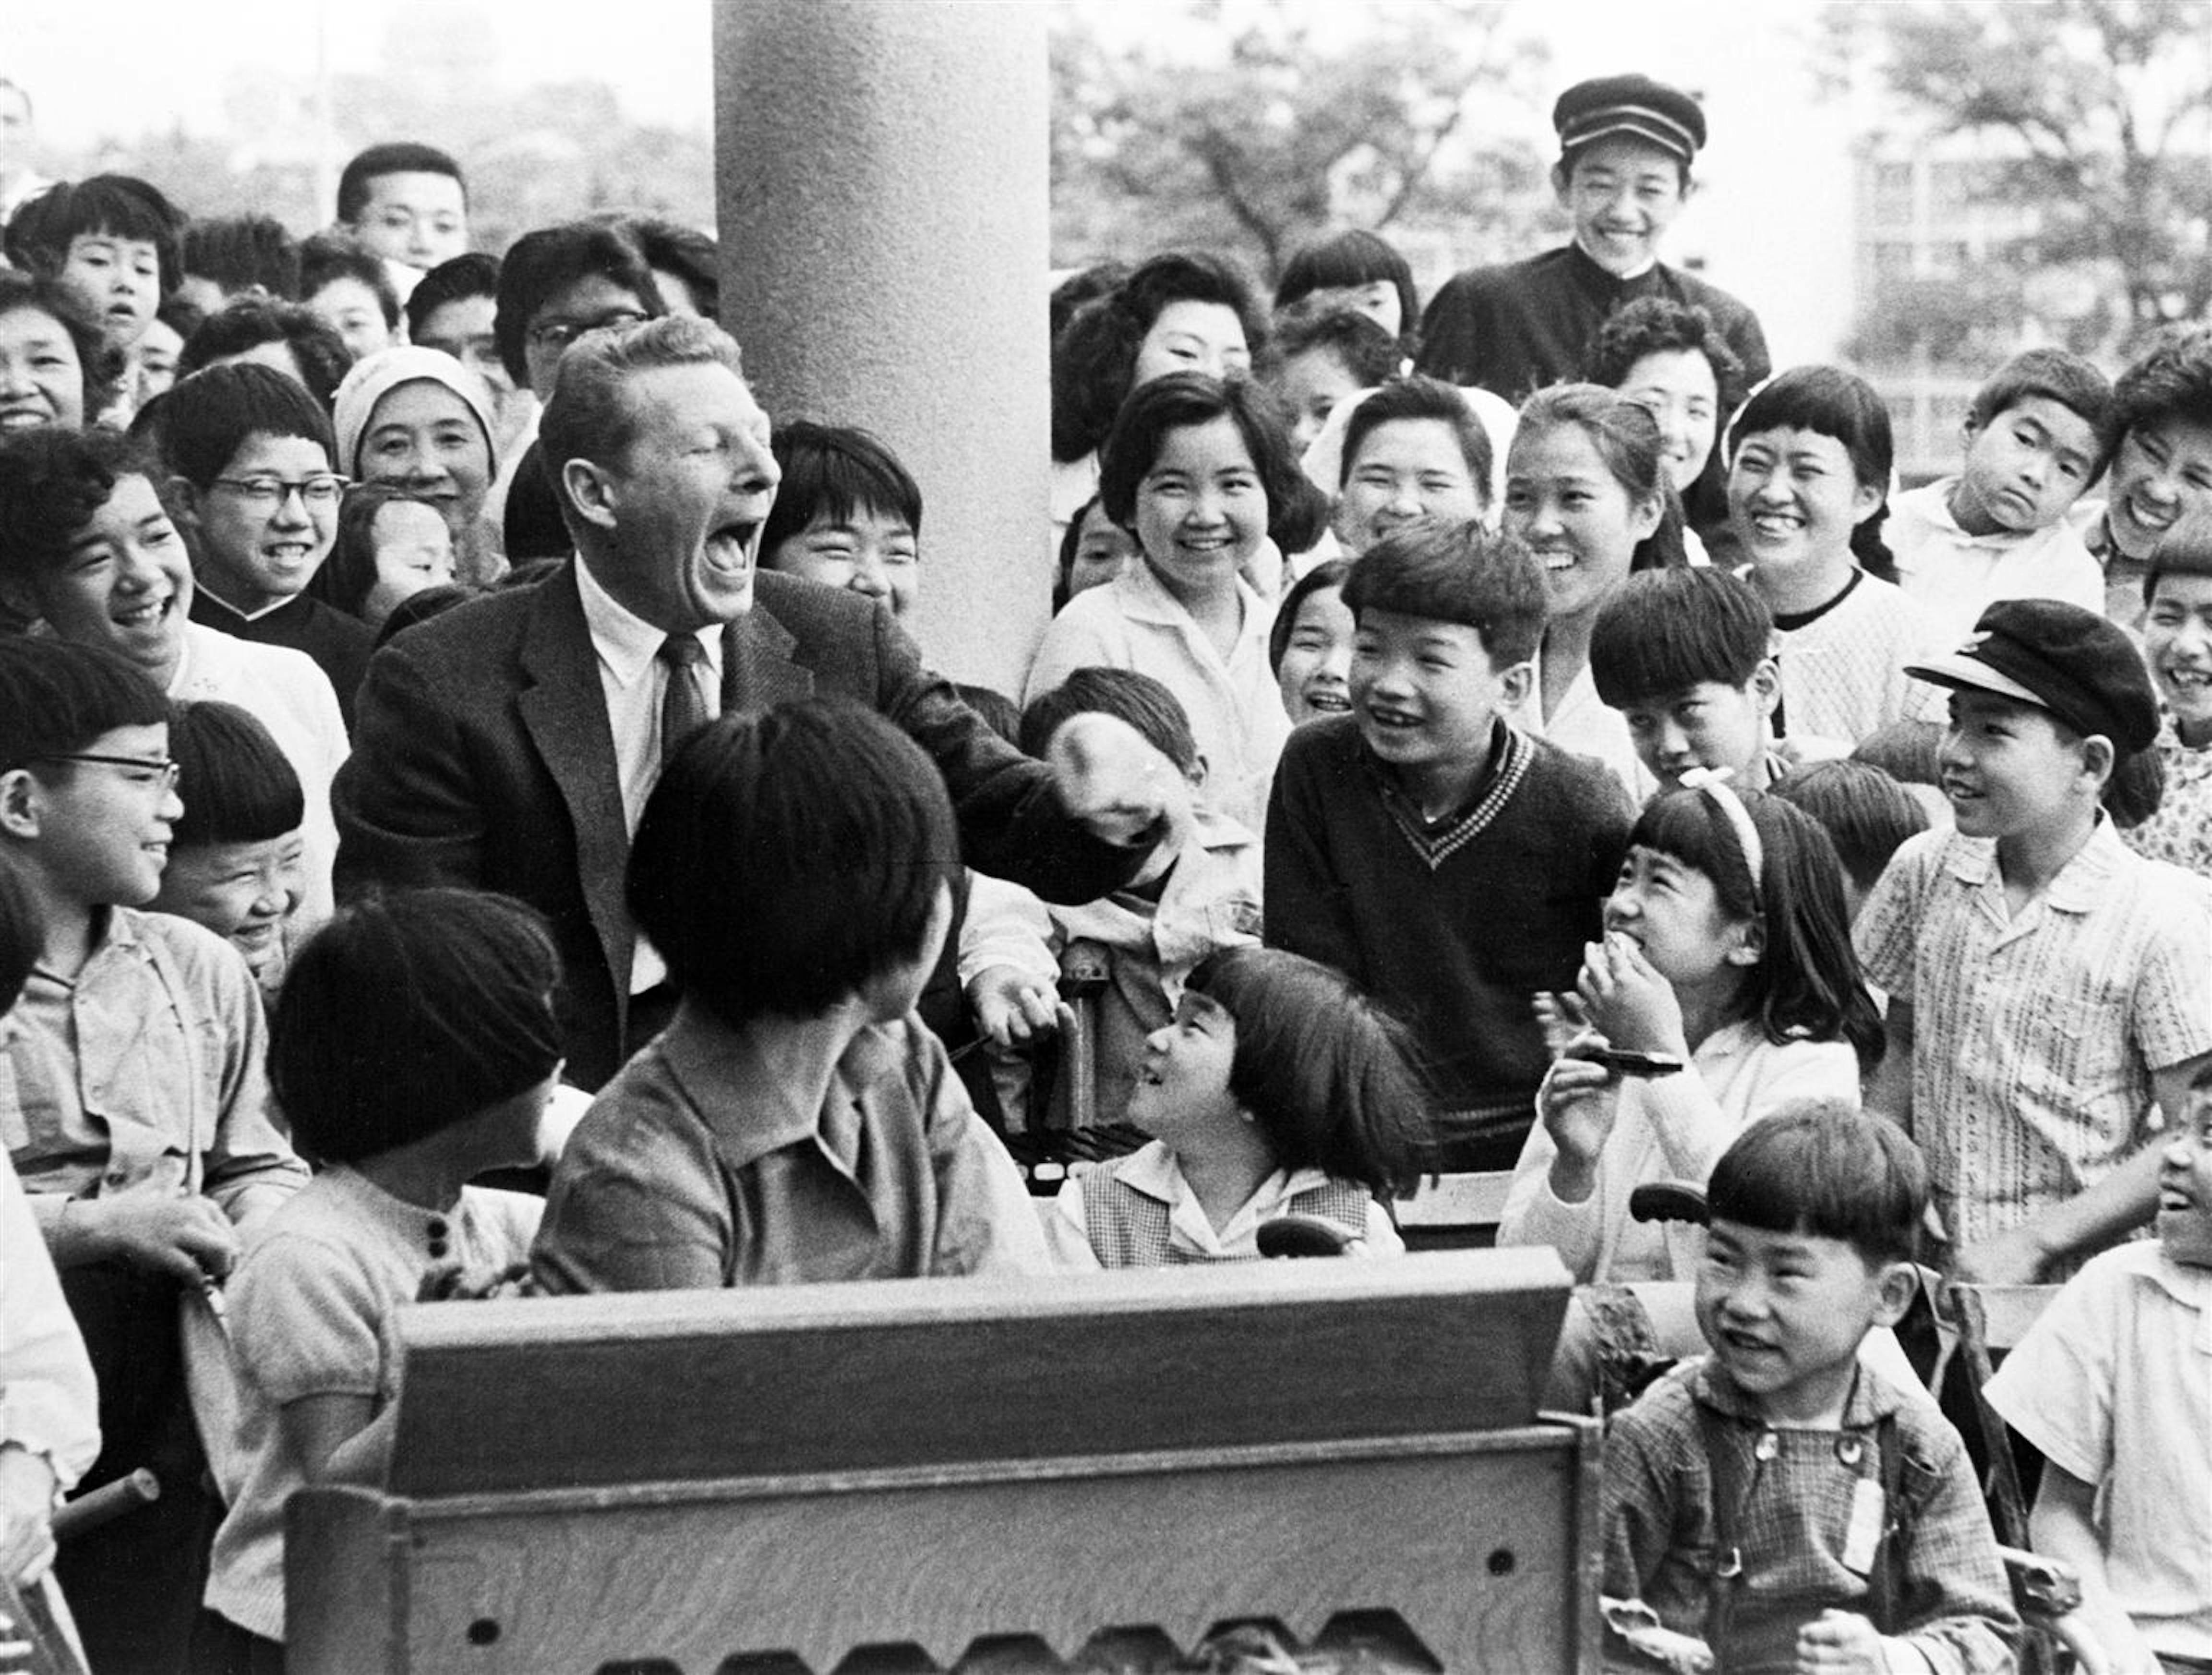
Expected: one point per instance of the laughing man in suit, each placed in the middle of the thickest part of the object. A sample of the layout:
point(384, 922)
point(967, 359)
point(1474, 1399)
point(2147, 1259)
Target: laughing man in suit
point(509, 744)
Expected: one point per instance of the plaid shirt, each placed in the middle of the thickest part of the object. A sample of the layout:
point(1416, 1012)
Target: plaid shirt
point(1955, 1608)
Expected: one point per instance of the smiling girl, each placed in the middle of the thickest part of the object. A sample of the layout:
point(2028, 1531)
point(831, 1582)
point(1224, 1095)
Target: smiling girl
point(1199, 472)
point(1727, 947)
point(1277, 1089)
point(1182, 311)
point(2160, 486)
point(1586, 491)
point(51, 357)
point(1669, 359)
point(1808, 478)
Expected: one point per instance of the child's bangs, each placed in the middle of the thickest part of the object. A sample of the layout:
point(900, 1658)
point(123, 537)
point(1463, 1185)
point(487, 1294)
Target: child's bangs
point(1823, 1168)
point(104, 208)
point(1689, 828)
point(844, 487)
point(1828, 401)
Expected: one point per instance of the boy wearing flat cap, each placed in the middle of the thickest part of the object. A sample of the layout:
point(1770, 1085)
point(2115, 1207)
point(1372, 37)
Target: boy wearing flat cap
point(1625, 146)
point(2047, 985)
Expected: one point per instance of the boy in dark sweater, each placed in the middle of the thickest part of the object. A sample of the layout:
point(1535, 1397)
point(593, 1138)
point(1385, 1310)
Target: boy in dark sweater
point(1447, 863)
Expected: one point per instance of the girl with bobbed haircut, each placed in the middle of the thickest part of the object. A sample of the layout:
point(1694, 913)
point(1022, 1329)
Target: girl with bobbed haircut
point(1201, 474)
point(99, 367)
point(1276, 1089)
point(1350, 260)
point(1329, 1075)
point(1094, 360)
point(1183, 399)
point(411, 1012)
point(1832, 402)
point(785, 858)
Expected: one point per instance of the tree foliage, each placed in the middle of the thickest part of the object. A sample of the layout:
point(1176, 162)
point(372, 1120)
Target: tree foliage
point(1253, 127)
point(2098, 114)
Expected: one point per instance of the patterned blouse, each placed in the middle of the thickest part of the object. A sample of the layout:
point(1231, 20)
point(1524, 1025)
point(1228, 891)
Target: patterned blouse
point(2181, 830)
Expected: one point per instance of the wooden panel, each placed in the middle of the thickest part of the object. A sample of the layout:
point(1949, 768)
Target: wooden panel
point(1476, 1543)
point(671, 1386)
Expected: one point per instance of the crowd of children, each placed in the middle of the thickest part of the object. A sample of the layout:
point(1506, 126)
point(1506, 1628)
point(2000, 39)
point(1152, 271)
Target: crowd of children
point(1623, 783)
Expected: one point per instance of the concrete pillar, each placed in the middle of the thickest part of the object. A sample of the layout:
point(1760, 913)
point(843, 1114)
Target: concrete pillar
point(882, 188)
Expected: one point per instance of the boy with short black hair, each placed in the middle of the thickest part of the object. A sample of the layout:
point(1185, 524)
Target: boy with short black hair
point(138, 1116)
point(796, 1121)
point(1198, 890)
point(2048, 988)
point(2037, 436)
point(237, 854)
point(1627, 144)
point(1450, 865)
point(251, 485)
point(2110, 1386)
point(1776, 1498)
point(407, 203)
point(1687, 657)
point(847, 513)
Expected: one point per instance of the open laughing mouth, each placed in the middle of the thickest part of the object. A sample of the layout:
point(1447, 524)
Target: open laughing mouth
point(729, 549)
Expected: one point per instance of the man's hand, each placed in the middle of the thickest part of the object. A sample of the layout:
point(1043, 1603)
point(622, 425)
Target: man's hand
point(1839, 1640)
point(1013, 1007)
point(26, 1514)
point(181, 1234)
point(1112, 781)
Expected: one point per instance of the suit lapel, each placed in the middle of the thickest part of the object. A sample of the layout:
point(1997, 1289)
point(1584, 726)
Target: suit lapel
point(758, 670)
point(564, 711)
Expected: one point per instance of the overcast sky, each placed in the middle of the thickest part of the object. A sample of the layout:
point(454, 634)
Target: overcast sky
point(1775, 213)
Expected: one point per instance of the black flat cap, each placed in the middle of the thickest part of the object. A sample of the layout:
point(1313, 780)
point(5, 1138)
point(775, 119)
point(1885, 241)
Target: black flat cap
point(1635, 105)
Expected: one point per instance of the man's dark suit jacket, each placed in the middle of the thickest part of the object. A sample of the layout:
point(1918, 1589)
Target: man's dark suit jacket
point(482, 757)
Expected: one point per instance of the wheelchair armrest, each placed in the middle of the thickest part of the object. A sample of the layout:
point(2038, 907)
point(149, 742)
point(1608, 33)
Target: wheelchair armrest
point(1667, 1201)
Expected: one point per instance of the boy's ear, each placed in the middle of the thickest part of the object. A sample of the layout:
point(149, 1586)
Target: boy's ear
point(1518, 682)
point(2098, 759)
point(1563, 178)
point(181, 497)
point(591, 490)
point(1899, 1282)
point(1199, 770)
point(1765, 687)
point(19, 807)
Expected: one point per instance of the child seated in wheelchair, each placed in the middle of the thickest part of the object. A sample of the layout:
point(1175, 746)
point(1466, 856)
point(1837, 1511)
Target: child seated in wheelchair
point(1776, 1498)
point(2113, 1385)
point(1199, 891)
